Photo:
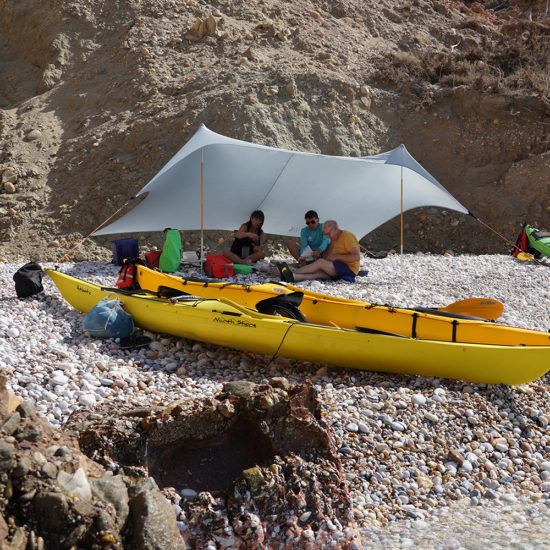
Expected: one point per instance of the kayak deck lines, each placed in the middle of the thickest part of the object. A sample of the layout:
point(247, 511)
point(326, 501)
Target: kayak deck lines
point(224, 322)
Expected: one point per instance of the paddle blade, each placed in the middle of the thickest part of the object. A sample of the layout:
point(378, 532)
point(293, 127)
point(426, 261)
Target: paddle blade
point(525, 256)
point(486, 308)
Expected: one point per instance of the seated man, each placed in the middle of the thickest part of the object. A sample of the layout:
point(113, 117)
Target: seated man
point(340, 261)
point(311, 236)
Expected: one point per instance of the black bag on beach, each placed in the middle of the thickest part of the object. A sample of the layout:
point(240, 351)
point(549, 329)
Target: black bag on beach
point(28, 280)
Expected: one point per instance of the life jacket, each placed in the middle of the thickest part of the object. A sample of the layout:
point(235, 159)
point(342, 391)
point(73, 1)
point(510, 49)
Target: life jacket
point(126, 275)
point(522, 242)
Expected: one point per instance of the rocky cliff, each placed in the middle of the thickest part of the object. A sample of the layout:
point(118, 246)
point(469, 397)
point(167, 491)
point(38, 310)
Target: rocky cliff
point(96, 96)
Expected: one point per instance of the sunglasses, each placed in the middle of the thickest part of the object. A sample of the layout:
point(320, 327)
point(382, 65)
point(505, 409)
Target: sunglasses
point(311, 222)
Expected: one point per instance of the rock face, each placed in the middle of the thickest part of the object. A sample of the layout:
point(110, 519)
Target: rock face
point(96, 98)
point(255, 465)
point(54, 497)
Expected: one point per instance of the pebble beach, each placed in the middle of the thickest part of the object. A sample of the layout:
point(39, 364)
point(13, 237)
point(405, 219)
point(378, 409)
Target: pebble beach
point(431, 463)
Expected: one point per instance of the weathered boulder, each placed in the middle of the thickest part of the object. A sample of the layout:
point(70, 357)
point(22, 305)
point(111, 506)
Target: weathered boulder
point(246, 467)
point(153, 520)
point(53, 496)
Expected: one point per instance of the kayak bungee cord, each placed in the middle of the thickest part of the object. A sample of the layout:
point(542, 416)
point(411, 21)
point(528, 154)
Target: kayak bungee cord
point(280, 344)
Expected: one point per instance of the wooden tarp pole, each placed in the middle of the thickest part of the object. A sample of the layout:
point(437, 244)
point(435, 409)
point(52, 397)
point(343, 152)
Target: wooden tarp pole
point(401, 209)
point(202, 206)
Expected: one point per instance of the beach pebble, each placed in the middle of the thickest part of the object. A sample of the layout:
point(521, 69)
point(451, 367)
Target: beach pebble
point(363, 428)
point(87, 399)
point(394, 434)
point(60, 379)
point(33, 135)
point(12, 332)
point(418, 399)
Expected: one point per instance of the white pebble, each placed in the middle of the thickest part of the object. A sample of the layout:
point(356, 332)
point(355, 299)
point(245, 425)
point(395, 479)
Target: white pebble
point(418, 399)
point(12, 332)
point(60, 380)
point(87, 399)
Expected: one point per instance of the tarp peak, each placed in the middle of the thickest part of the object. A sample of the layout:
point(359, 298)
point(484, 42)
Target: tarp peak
point(238, 177)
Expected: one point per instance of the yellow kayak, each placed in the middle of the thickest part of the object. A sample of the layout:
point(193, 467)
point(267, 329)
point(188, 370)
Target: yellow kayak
point(223, 322)
point(326, 310)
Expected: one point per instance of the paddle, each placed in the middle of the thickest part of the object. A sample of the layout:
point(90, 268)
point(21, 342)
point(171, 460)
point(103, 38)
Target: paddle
point(485, 308)
point(525, 256)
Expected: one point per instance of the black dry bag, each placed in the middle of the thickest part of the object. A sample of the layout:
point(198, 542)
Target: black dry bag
point(28, 280)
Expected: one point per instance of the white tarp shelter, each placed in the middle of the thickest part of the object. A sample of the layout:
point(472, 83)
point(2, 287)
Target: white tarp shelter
point(215, 182)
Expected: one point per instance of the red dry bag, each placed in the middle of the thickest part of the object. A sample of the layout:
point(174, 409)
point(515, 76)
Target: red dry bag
point(218, 266)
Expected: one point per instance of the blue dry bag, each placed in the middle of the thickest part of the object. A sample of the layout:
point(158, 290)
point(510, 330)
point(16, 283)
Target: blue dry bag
point(107, 319)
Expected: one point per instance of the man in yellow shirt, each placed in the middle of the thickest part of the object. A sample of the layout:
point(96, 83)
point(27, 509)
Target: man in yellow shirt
point(340, 260)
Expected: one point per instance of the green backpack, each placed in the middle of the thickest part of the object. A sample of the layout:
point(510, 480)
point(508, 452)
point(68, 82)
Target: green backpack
point(170, 257)
point(539, 241)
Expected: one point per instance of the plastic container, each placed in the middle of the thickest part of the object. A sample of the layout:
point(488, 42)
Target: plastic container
point(189, 256)
point(124, 248)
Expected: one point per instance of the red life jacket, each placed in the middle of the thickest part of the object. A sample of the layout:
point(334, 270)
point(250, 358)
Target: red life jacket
point(126, 276)
point(522, 242)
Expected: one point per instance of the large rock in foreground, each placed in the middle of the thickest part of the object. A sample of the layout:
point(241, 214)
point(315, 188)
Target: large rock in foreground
point(54, 497)
point(255, 466)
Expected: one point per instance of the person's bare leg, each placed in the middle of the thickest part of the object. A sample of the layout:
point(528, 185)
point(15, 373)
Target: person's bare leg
point(293, 249)
point(318, 265)
point(255, 256)
point(311, 276)
point(320, 269)
point(231, 257)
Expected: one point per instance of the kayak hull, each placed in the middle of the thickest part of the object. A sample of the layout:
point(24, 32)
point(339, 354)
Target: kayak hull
point(344, 313)
point(226, 323)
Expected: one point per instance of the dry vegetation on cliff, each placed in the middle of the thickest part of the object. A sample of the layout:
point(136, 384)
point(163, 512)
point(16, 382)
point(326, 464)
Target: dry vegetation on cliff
point(96, 97)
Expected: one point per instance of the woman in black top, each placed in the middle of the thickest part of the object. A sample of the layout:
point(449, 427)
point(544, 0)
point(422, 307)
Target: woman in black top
point(247, 246)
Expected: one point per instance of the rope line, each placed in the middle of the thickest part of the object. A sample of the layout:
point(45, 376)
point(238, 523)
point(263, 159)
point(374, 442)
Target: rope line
point(66, 256)
point(532, 258)
point(280, 344)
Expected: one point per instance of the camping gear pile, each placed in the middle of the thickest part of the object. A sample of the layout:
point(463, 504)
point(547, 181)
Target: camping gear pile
point(532, 241)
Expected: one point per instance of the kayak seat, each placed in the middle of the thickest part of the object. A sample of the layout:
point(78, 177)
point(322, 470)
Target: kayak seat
point(285, 305)
point(169, 292)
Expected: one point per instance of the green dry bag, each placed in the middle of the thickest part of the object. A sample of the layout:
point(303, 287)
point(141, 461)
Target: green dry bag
point(170, 257)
